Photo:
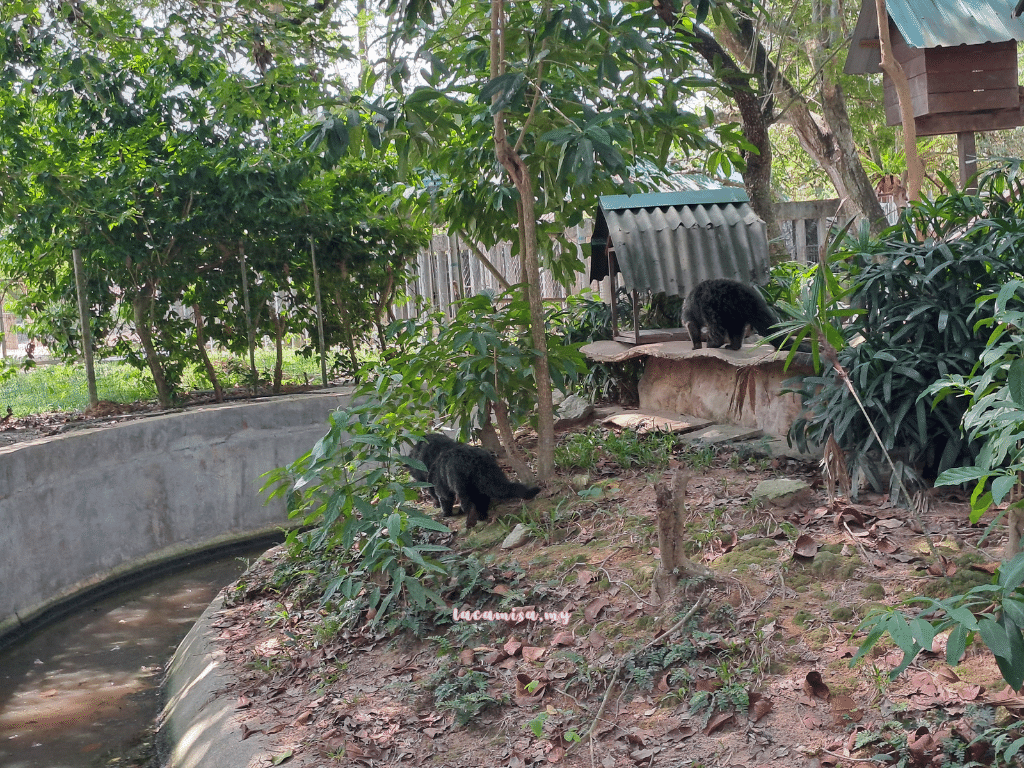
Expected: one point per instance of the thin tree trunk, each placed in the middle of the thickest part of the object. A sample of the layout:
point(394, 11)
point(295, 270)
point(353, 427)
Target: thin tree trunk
point(278, 322)
point(319, 315)
point(671, 505)
point(3, 325)
point(211, 371)
point(142, 308)
point(482, 258)
point(827, 138)
point(83, 316)
point(362, 22)
point(250, 331)
point(520, 175)
point(755, 112)
point(519, 465)
point(346, 325)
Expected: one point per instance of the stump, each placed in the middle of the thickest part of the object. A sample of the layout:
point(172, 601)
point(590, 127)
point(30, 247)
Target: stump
point(671, 503)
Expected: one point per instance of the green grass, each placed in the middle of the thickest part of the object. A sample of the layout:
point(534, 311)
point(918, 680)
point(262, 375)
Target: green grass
point(63, 387)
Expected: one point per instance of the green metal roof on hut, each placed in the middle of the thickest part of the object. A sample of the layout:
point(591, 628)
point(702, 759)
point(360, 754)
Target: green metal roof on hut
point(667, 242)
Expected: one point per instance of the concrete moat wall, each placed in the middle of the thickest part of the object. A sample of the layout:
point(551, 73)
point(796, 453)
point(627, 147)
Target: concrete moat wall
point(85, 507)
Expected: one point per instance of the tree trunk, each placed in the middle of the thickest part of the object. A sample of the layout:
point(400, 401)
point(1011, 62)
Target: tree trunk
point(757, 177)
point(142, 307)
point(892, 67)
point(3, 326)
point(319, 315)
point(83, 315)
point(346, 326)
point(519, 465)
point(828, 139)
point(671, 505)
point(250, 330)
point(520, 175)
point(278, 322)
point(211, 371)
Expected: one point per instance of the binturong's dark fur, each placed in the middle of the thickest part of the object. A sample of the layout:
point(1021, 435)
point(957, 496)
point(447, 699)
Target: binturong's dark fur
point(473, 474)
point(427, 451)
point(725, 307)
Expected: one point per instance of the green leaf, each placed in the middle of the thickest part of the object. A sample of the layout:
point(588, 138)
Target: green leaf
point(958, 475)
point(1001, 486)
point(994, 636)
point(956, 644)
point(1015, 381)
point(1011, 573)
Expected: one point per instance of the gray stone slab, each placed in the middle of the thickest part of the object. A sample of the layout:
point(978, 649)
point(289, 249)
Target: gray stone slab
point(716, 434)
point(655, 421)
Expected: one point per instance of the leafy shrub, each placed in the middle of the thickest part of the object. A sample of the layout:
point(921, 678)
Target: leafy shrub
point(586, 319)
point(919, 296)
point(350, 491)
point(456, 368)
point(995, 393)
point(994, 611)
point(466, 696)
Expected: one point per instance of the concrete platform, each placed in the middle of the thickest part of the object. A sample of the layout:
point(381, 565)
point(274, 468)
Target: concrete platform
point(740, 388)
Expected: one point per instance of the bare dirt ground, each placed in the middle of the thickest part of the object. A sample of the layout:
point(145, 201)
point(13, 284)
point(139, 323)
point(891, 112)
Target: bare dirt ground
point(762, 678)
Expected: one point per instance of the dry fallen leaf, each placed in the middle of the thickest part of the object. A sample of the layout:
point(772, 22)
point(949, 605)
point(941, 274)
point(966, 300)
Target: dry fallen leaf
point(845, 710)
point(719, 720)
point(594, 607)
point(759, 707)
point(815, 687)
point(986, 567)
point(942, 567)
point(531, 653)
point(564, 638)
point(805, 546)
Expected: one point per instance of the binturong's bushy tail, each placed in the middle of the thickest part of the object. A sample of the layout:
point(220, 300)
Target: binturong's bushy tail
point(493, 482)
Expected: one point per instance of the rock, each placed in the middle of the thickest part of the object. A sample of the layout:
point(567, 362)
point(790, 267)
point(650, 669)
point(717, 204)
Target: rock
point(781, 492)
point(519, 536)
point(572, 411)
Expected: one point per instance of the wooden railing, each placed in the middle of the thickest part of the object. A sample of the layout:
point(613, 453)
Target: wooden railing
point(806, 224)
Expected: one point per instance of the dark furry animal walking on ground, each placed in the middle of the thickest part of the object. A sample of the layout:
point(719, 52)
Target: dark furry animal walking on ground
point(473, 474)
point(427, 450)
point(725, 307)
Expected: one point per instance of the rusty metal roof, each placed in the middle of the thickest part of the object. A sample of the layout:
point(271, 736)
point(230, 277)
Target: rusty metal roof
point(931, 24)
point(667, 242)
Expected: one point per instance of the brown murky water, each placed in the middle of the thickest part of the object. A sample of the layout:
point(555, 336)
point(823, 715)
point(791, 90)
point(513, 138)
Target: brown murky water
point(84, 691)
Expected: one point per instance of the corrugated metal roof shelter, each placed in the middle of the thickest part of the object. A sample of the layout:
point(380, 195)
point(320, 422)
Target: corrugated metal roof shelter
point(667, 242)
point(960, 57)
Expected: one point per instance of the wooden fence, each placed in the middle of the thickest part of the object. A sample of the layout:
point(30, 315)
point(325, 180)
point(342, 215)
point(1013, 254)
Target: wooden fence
point(450, 268)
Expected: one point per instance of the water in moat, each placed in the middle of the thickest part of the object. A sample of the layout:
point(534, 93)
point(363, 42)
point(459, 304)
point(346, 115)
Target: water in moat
point(84, 692)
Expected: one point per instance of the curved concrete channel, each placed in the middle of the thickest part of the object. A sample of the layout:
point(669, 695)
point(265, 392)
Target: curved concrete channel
point(84, 512)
